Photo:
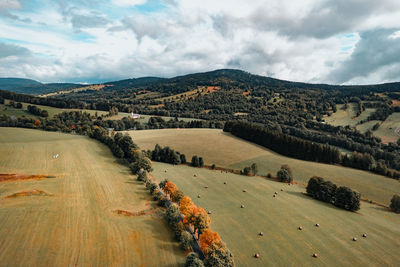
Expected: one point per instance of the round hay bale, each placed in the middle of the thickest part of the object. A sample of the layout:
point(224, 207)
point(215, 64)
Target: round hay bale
point(317, 224)
point(242, 206)
point(165, 170)
point(261, 234)
point(274, 195)
point(194, 175)
point(256, 255)
point(315, 255)
point(354, 238)
point(300, 228)
point(198, 196)
point(364, 235)
point(206, 187)
point(244, 190)
point(281, 189)
point(208, 212)
point(224, 182)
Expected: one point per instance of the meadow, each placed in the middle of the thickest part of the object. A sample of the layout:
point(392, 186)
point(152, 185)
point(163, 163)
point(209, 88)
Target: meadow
point(279, 218)
point(70, 218)
point(9, 111)
point(225, 150)
point(387, 130)
point(348, 117)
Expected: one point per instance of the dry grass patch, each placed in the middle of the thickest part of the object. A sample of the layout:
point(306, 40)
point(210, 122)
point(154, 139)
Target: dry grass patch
point(29, 193)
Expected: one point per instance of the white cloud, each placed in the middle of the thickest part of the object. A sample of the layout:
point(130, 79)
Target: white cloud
point(10, 4)
point(309, 41)
point(128, 2)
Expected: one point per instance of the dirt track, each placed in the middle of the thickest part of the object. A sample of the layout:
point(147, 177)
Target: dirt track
point(76, 225)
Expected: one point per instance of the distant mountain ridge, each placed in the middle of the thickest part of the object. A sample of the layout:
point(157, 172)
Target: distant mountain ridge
point(181, 83)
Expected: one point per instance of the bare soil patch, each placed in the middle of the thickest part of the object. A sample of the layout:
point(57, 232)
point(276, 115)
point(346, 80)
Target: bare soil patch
point(29, 193)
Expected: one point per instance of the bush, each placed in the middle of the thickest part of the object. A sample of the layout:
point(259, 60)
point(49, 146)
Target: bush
point(246, 170)
point(395, 203)
point(177, 196)
point(195, 161)
point(348, 199)
point(201, 162)
point(322, 190)
point(284, 176)
point(186, 240)
point(218, 255)
point(173, 215)
point(162, 201)
point(142, 176)
point(141, 163)
point(162, 183)
point(192, 260)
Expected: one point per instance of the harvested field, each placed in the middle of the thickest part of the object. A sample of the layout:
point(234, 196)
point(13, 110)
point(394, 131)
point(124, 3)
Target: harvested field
point(387, 131)
point(278, 218)
point(76, 226)
point(225, 150)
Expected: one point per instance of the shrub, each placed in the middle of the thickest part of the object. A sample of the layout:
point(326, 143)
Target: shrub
point(284, 176)
point(218, 255)
point(173, 215)
point(195, 161)
point(177, 196)
point(246, 170)
point(322, 190)
point(395, 203)
point(141, 163)
point(162, 183)
point(185, 240)
point(192, 260)
point(162, 201)
point(201, 162)
point(142, 176)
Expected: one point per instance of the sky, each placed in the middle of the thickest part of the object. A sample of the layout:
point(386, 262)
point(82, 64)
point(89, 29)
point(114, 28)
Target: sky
point(86, 41)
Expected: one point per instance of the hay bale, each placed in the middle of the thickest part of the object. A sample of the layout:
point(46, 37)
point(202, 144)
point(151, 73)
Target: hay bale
point(256, 255)
point(281, 189)
point(242, 206)
point(206, 187)
point(317, 224)
point(261, 234)
point(224, 182)
point(354, 238)
point(274, 195)
point(315, 255)
point(208, 212)
point(244, 190)
point(364, 235)
point(194, 175)
point(300, 228)
point(198, 196)
point(165, 170)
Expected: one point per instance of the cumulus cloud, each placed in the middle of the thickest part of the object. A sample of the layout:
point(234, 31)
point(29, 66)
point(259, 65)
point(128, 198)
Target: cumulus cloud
point(377, 52)
point(311, 41)
point(128, 2)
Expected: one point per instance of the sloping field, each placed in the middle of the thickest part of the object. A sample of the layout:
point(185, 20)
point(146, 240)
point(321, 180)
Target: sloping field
point(388, 131)
point(72, 219)
point(51, 110)
point(347, 117)
point(279, 217)
point(225, 150)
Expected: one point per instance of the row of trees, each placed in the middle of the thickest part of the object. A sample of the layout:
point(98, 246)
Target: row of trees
point(37, 111)
point(183, 212)
point(167, 155)
point(342, 197)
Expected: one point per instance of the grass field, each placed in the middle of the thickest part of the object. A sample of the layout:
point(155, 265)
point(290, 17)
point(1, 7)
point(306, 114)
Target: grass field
point(347, 117)
point(51, 110)
point(144, 119)
point(70, 220)
point(278, 218)
point(225, 150)
point(387, 130)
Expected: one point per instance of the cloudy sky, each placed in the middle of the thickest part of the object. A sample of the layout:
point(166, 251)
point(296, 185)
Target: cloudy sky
point(329, 41)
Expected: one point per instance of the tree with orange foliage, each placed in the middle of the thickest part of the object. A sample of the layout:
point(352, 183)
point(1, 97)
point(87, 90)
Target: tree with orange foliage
point(207, 239)
point(186, 206)
point(37, 122)
point(200, 220)
point(170, 188)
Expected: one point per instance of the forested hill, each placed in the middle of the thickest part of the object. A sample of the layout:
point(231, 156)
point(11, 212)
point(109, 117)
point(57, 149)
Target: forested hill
point(32, 87)
point(232, 78)
point(225, 78)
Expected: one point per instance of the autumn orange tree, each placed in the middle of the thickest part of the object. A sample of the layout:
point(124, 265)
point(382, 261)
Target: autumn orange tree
point(199, 219)
point(207, 239)
point(170, 188)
